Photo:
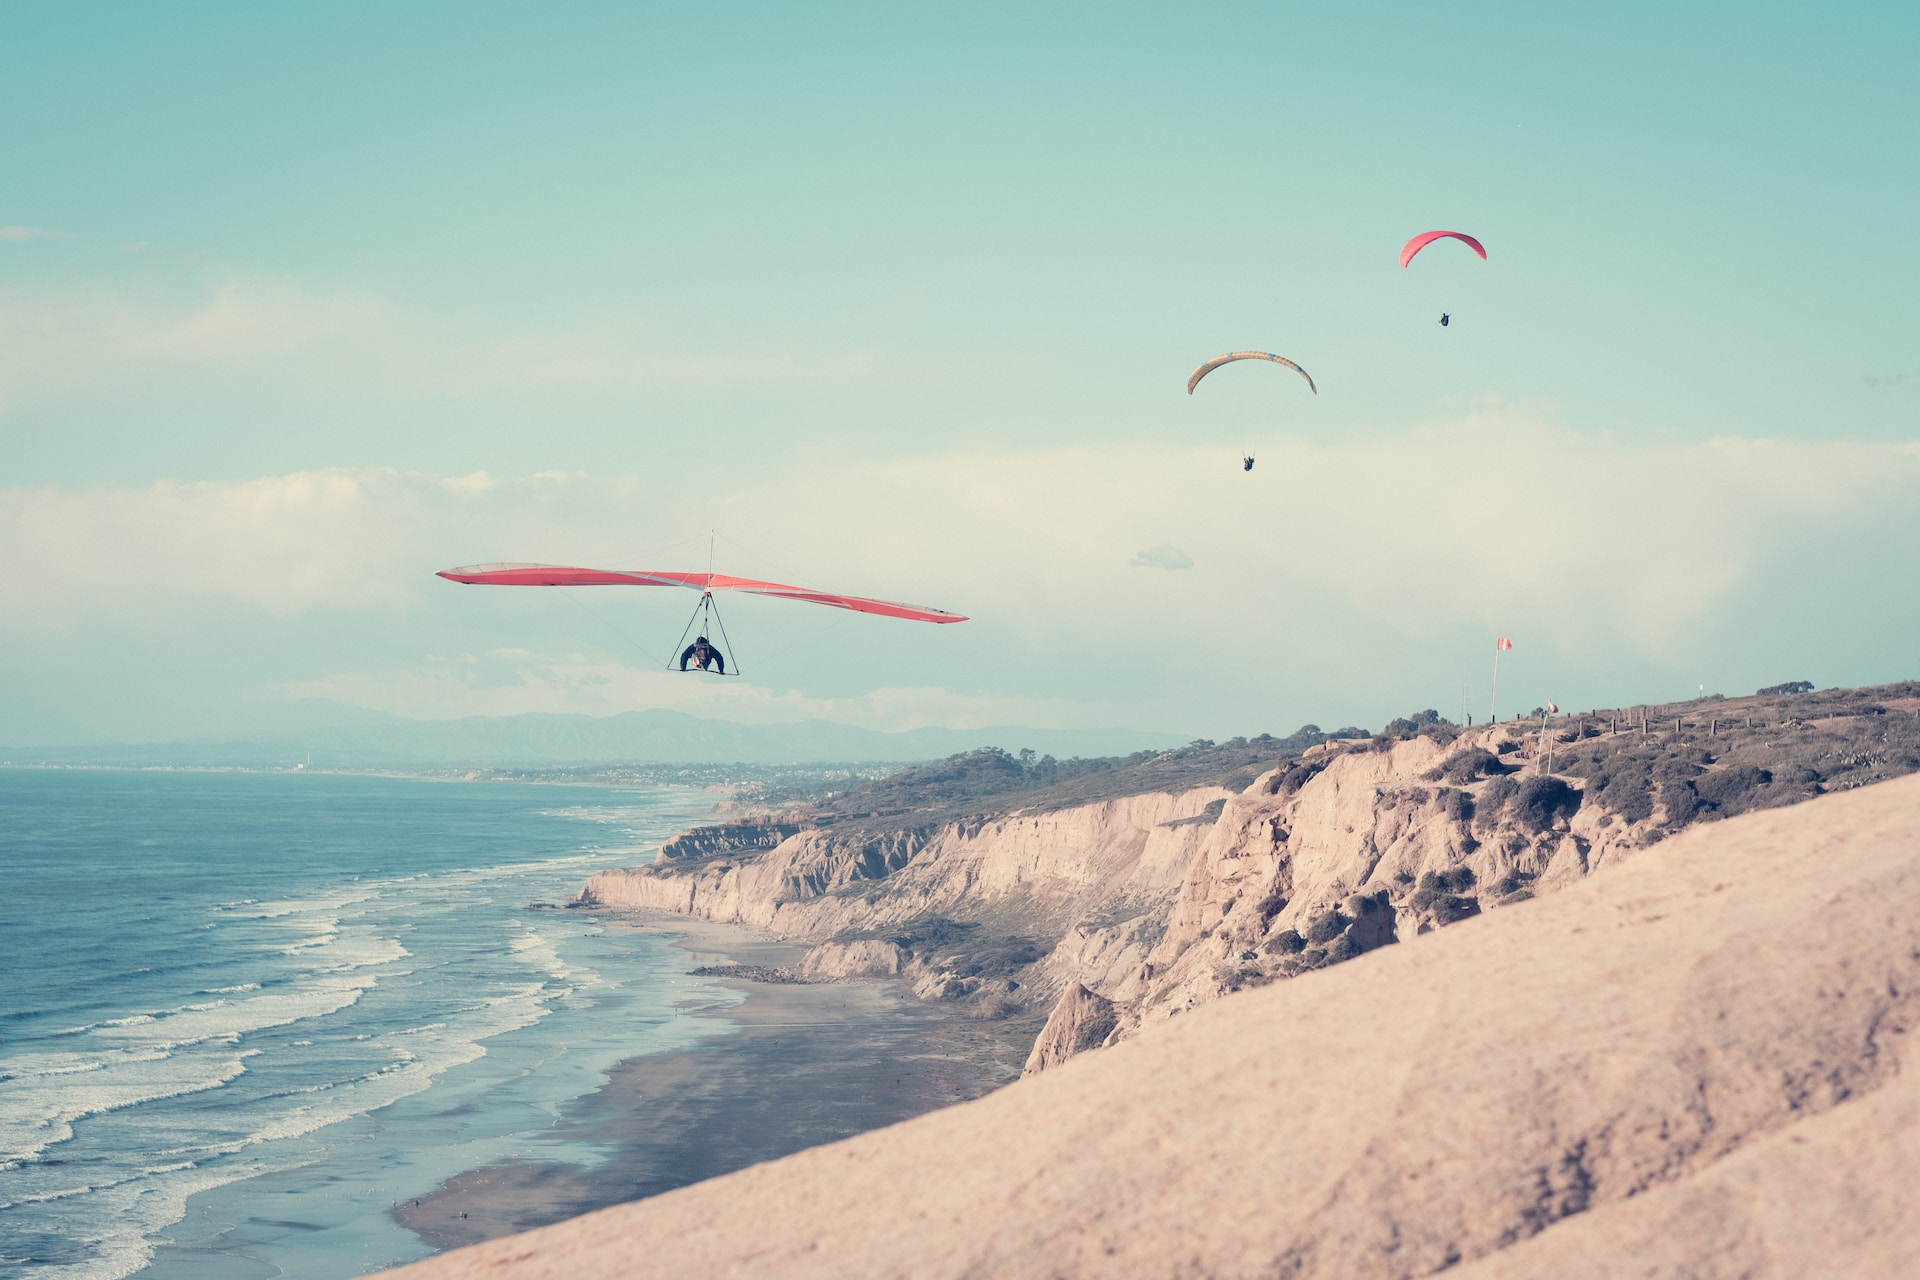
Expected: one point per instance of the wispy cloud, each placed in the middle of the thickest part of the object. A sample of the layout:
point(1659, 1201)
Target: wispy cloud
point(1162, 557)
point(1350, 566)
point(19, 234)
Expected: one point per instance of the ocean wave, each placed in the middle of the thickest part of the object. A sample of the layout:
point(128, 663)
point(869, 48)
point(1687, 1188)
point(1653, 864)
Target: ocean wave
point(306, 1006)
point(40, 1108)
point(128, 1214)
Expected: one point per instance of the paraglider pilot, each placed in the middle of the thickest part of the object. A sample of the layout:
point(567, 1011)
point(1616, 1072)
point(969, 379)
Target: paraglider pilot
point(1443, 319)
point(1246, 463)
point(703, 655)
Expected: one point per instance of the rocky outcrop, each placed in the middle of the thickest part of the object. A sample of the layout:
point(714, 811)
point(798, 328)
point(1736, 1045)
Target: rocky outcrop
point(747, 835)
point(969, 905)
point(865, 958)
point(1080, 1021)
point(1699, 1064)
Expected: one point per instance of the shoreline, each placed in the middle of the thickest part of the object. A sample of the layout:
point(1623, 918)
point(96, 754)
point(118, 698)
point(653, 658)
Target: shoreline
point(803, 1064)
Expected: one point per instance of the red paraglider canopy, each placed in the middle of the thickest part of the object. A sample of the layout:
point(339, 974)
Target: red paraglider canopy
point(1426, 238)
point(553, 575)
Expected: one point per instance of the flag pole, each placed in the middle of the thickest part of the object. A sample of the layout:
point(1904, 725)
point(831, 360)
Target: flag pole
point(1493, 699)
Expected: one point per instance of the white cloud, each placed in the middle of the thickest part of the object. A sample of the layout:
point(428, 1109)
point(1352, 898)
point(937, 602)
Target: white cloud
point(20, 235)
point(1345, 571)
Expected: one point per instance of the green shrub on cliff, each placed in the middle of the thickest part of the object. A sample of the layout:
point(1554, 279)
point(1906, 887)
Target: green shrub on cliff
point(1467, 766)
point(1326, 926)
point(1287, 942)
point(1538, 803)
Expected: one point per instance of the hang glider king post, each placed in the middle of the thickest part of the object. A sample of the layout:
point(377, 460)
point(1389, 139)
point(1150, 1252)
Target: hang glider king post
point(553, 575)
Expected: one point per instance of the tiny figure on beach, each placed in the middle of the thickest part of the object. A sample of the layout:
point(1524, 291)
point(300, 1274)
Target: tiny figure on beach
point(1246, 463)
point(703, 656)
point(1443, 319)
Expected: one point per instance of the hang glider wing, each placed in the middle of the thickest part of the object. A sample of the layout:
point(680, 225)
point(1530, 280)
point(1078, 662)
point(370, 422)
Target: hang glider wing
point(1426, 238)
point(554, 575)
point(1231, 356)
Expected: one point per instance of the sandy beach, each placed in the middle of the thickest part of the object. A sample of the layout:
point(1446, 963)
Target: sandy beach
point(806, 1064)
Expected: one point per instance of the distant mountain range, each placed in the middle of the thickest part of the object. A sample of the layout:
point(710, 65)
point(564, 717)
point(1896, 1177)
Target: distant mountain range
point(327, 736)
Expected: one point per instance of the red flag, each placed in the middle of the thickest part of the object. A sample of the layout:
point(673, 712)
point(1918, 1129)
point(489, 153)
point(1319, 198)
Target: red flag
point(1552, 710)
point(1503, 643)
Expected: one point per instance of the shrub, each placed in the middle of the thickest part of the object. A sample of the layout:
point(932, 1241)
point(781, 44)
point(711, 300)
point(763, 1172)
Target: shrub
point(1452, 880)
point(1341, 948)
point(1270, 906)
point(1515, 881)
point(1494, 798)
point(1731, 790)
point(1791, 686)
point(1326, 926)
point(1678, 768)
point(1437, 887)
point(1286, 943)
point(1681, 800)
point(1470, 765)
point(1292, 779)
point(1540, 802)
point(1449, 910)
point(1625, 791)
point(1457, 805)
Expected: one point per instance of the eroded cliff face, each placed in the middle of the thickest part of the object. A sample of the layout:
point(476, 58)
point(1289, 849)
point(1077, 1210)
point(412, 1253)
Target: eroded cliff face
point(962, 909)
point(1348, 850)
point(1118, 913)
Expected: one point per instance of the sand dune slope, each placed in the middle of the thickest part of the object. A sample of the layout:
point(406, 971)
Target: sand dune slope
point(1716, 1029)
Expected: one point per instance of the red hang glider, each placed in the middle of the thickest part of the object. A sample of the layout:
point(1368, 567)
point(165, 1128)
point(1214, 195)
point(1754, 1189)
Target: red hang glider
point(703, 654)
point(553, 575)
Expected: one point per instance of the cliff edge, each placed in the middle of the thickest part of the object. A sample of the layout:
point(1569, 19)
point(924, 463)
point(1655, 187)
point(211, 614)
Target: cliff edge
point(1107, 910)
point(1699, 1063)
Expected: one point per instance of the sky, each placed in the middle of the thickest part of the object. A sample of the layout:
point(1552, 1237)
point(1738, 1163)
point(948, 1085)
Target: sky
point(298, 306)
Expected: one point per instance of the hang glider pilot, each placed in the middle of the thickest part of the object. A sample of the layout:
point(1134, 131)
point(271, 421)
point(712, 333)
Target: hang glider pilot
point(703, 655)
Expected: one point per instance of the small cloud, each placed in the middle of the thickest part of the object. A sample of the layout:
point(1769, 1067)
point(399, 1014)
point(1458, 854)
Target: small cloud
point(477, 485)
point(20, 235)
point(1163, 557)
point(135, 246)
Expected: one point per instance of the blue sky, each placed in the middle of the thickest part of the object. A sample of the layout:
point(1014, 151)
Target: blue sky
point(903, 301)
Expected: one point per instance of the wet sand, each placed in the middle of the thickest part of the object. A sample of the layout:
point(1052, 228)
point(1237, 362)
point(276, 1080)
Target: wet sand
point(808, 1064)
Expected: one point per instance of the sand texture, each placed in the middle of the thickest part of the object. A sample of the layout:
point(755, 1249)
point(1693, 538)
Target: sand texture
point(1688, 1065)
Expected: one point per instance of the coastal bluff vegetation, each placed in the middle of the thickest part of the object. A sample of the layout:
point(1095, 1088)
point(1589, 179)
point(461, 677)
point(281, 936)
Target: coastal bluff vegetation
point(1650, 1015)
point(1106, 895)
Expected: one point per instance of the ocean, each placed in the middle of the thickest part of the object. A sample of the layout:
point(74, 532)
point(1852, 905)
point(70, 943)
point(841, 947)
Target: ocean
point(243, 1014)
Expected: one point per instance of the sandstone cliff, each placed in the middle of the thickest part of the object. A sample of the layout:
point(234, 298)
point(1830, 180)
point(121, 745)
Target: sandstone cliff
point(1699, 1063)
point(1155, 904)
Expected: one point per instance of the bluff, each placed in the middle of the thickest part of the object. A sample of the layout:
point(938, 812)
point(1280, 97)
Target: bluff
point(1698, 1063)
point(1114, 911)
